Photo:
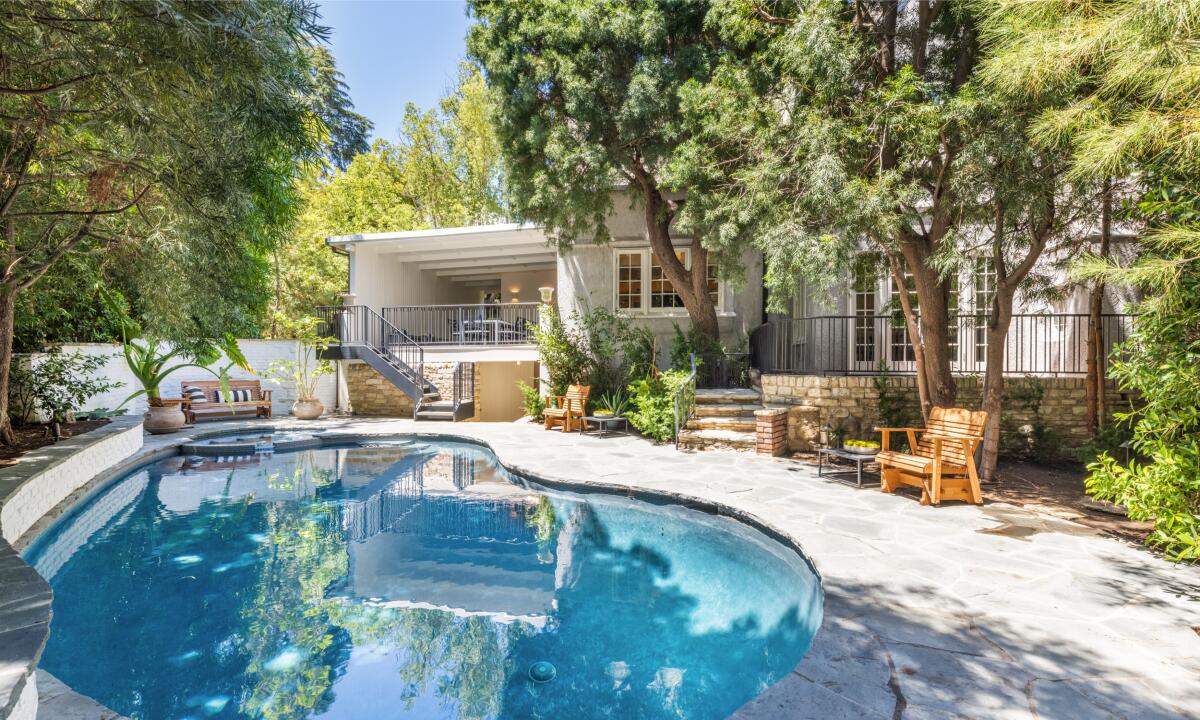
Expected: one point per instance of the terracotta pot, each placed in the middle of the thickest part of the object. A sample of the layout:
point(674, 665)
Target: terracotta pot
point(163, 420)
point(307, 409)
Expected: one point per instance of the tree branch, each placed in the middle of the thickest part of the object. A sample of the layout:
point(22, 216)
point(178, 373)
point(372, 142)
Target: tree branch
point(45, 89)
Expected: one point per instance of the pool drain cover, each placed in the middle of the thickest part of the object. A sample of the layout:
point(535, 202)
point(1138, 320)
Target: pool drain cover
point(542, 672)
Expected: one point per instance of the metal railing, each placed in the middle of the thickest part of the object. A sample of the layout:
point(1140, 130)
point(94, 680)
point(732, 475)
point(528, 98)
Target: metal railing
point(494, 324)
point(464, 382)
point(685, 398)
point(360, 325)
point(722, 370)
point(859, 344)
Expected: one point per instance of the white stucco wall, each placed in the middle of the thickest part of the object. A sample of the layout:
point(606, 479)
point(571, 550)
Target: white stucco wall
point(259, 353)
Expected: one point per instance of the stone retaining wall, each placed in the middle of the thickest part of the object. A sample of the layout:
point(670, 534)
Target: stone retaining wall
point(853, 401)
point(371, 394)
point(36, 485)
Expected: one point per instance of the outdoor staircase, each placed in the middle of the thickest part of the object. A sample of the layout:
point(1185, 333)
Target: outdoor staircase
point(365, 335)
point(722, 420)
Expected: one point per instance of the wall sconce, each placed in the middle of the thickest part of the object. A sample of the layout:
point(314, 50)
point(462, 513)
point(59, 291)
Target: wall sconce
point(547, 294)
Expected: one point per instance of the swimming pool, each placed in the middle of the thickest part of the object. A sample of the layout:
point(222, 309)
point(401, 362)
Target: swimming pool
point(410, 579)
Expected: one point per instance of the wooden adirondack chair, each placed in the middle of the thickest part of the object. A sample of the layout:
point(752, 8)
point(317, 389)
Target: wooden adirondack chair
point(941, 462)
point(566, 410)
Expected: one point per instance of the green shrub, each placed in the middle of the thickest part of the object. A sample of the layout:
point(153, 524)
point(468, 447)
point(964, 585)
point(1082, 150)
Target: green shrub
point(653, 401)
point(897, 408)
point(531, 400)
point(561, 352)
point(691, 342)
point(616, 402)
point(57, 385)
point(1040, 443)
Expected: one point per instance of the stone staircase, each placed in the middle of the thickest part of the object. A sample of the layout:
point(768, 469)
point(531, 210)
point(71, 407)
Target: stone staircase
point(722, 420)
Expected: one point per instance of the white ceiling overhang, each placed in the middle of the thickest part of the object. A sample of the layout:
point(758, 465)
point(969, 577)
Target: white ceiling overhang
point(464, 254)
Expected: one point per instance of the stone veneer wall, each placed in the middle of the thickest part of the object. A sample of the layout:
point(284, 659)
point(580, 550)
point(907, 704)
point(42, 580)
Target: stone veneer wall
point(29, 489)
point(854, 402)
point(372, 394)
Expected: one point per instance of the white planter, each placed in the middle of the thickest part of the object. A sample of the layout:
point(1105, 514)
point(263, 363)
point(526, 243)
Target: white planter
point(307, 409)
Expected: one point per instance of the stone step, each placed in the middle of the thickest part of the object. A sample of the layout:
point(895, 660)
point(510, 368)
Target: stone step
point(725, 409)
point(717, 440)
point(741, 423)
point(435, 415)
point(708, 396)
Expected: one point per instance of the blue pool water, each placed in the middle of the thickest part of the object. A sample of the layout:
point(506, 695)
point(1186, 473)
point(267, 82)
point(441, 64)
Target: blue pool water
point(410, 580)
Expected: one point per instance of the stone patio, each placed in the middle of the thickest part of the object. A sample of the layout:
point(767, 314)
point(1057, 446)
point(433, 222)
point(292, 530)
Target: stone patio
point(948, 612)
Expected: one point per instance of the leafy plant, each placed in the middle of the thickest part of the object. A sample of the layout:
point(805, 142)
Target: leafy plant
point(653, 401)
point(615, 403)
point(531, 400)
point(59, 384)
point(308, 368)
point(691, 342)
point(99, 414)
point(896, 407)
point(561, 352)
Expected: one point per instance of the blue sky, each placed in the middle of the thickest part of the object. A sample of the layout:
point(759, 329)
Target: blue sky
point(396, 51)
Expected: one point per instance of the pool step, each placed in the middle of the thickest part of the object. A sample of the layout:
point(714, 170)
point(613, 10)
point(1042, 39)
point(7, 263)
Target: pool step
point(717, 440)
point(740, 423)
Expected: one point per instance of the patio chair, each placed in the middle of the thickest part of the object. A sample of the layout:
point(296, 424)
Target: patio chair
point(567, 411)
point(941, 462)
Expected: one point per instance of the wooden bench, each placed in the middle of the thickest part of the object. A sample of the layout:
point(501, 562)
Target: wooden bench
point(259, 403)
point(567, 410)
point(941, 462)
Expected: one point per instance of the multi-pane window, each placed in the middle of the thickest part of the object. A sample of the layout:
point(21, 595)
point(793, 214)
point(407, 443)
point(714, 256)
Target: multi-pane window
point(901, 345)
point(984, 280)
point(662, 292)
point(629, 281)
point(864, 315)
point(641, 284)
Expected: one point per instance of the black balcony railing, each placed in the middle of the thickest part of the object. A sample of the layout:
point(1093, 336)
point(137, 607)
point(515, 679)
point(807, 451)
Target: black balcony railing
point(494, 324)
point(360, 325)
point(862, 344)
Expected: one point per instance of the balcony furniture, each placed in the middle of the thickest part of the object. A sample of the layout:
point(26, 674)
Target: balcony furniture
point(859, 459)
point(483, 324)
point(257, 402)
point(566, 411)
point(602, 423)
point(941, 462)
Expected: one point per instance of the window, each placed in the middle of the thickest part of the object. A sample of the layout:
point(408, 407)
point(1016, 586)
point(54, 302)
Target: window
point(902, 349)
point(984, 280)
point(629, 281)
point(864, 314)
point(642, 286)
point(662, 293)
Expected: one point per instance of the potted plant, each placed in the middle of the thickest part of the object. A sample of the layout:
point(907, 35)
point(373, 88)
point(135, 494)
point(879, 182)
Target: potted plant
point(305, 371)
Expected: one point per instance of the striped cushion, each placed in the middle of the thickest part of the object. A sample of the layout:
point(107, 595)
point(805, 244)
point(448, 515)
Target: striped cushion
point(234, 396)
point(195, 395)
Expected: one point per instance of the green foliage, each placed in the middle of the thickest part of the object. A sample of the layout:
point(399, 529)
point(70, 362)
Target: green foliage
point(531, 400)
point(1127, 81)
point(684, 344)
point(616, 403)
point(640, 350)
point(597, 348)
point(307, 369)
point(1108, 439)
point(444, 170)
point(346, 131)
point(1038, 442)
point(57, 385)
point(896, 407)
point(653, 401)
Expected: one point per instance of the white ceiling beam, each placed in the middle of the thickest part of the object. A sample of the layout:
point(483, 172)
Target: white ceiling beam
point(470, 253)
point(491, 270)
point(394, 247)
point(497, 261)
point(467, 279)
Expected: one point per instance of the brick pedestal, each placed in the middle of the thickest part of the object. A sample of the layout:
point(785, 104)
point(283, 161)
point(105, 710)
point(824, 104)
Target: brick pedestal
point(771, 431)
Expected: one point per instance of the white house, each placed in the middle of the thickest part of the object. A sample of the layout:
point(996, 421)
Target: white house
point(437, 322)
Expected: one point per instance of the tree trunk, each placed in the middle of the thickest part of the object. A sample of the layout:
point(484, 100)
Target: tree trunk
point(7, 308)
point(993, 380)
point(934, 320)
point(690, 285)
point(1096, 357)
point(910, 322)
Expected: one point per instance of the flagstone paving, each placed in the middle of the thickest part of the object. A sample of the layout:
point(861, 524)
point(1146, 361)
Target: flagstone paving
point(947, 612)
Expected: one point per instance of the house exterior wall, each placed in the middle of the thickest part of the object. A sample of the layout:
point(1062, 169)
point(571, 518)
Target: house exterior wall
point(523, 286)
point(373, 395)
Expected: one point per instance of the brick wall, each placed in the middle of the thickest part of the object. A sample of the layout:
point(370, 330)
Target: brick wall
point(854, 402)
